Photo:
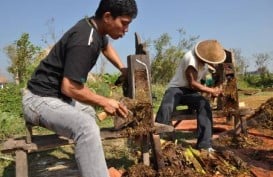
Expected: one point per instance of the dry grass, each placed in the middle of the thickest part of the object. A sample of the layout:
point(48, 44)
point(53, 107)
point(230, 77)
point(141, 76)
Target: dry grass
point(254, 101)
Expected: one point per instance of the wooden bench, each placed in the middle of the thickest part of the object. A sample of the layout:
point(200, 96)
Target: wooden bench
point(30, 143)
point(236, 117)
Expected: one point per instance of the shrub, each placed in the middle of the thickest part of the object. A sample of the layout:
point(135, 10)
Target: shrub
point(158, 91)
point(11, 121)
point(11, 100)
point(10, 125)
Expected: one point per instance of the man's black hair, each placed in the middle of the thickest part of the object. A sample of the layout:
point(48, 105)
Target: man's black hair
point(117, 8)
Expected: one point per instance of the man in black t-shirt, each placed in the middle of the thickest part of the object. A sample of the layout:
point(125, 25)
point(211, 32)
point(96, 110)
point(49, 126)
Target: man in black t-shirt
point(56, 96)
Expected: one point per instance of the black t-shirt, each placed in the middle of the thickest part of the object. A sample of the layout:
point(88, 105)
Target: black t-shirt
point(73, 56)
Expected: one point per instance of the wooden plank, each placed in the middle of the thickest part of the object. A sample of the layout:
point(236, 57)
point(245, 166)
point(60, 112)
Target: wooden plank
point(184, 115)
point(12, 144)
point(162, 128)
point(46, 142)
point(21, 163)
point(138, 63)
point(39, 143)
point(110, 133)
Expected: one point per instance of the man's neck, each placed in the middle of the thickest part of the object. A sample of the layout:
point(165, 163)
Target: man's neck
point(97, 25)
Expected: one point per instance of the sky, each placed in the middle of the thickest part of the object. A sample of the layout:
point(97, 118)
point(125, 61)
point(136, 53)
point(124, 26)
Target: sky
point(241, 24)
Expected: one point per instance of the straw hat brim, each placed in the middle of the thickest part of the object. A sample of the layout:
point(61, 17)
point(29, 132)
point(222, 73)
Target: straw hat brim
point(210, 51)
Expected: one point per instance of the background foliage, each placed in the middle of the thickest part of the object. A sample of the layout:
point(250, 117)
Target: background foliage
point(21, 54)
point(168, 55)
point(11, 122)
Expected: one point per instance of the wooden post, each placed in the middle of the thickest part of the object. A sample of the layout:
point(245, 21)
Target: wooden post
point(28, 132)
point(21, 163)
point(139, 87)
point(237, 124)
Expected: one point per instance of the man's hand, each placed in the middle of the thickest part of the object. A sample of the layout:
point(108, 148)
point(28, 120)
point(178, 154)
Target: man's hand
point(114, 107)
point(123, 77)
point(124, 72)
point(217, 92)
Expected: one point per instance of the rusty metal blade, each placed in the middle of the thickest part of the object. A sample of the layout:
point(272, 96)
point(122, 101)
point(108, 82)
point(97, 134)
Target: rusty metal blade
point(120, 122)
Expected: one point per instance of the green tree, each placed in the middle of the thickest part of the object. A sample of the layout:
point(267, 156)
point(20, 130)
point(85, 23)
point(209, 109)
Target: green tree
point(21, 54)
point(167, 55)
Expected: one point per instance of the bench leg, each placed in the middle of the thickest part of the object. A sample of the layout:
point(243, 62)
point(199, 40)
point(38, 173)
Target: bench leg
point(21, 163)
point(28, 132)
point(240, 124)
point(230, 119)
point(145, 150)
point(243, 125)
point(157, 152)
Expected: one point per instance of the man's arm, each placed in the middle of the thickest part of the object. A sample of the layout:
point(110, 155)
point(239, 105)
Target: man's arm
point(110, 53)
point(83, 94)
point(191, 75)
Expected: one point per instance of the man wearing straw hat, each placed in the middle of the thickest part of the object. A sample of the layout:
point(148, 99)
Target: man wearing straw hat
point(185, 86)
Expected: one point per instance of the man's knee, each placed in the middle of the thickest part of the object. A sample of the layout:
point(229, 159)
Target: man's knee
point(87, 126)
point(204, 102)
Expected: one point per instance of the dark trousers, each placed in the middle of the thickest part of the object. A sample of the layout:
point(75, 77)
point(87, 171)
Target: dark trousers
point(183, 96)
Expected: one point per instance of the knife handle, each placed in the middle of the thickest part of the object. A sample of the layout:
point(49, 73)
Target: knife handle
point(102, 115)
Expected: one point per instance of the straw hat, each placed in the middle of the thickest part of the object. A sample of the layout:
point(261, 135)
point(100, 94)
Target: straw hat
point(210, 51)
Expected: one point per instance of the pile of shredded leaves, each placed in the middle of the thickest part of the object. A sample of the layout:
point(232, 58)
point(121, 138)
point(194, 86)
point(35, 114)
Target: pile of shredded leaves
point(141, 119)
point(180, 161)
point(263, 117)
